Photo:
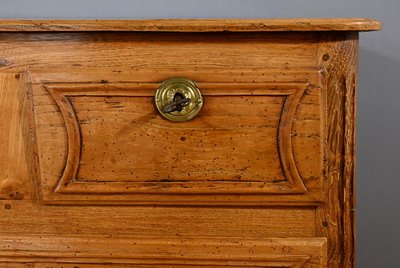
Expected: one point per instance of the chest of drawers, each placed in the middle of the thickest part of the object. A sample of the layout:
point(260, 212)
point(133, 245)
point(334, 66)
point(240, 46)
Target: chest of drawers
point(178, 143)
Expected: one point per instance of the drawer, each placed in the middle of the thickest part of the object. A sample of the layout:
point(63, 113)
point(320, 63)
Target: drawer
point(100, 138)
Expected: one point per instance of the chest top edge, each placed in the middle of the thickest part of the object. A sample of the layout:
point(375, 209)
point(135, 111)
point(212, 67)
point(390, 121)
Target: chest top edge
point(193, 25)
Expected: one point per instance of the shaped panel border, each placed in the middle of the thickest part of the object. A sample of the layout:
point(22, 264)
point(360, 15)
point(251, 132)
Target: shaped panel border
point(68, 183)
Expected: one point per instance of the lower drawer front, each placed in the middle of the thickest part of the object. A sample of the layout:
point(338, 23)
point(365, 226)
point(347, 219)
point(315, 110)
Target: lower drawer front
point(125, 252)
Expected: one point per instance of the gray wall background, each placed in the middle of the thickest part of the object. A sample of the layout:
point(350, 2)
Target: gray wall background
point(378, 147)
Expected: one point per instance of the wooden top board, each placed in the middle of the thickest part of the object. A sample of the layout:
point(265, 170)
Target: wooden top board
point(193, 25)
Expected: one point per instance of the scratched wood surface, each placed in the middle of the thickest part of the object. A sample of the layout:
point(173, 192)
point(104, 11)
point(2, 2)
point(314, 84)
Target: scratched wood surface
point(92, 175)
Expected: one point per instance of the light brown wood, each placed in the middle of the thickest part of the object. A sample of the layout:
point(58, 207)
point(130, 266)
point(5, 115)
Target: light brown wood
point(194, 25)
point(201, 156)
point(157, 222)
point(92, 175)
point(16, 180)
point(225, 252)
point(339, 76)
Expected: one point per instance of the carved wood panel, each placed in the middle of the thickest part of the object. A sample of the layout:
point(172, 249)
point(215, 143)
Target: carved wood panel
point(249, 138)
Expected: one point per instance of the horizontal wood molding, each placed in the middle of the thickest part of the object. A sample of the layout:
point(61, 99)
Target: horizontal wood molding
point(156, 221)
point(193, 25)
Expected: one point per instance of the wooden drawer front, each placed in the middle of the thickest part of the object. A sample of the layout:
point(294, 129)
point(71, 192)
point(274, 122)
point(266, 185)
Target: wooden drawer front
point(123, 252)
point(249, 138)
point(100, 139)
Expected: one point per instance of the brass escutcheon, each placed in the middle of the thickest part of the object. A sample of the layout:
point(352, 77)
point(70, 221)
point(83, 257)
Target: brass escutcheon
point(178, 99)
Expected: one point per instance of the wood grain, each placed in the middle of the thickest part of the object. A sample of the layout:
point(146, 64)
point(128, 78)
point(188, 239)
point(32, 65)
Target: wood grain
point(190, 252)
point(194, 25)
point(339, 62)
point(15, 138)
point(154, 57)
point(156, 221)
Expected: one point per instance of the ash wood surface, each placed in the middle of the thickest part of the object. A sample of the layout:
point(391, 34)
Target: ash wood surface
point(93, 176)
point(193, 25)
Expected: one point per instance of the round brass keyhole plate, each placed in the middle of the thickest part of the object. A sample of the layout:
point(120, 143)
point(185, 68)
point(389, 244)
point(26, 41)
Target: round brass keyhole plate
point(186, 88)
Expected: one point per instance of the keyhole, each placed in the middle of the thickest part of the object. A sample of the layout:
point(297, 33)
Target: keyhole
point(177, 97)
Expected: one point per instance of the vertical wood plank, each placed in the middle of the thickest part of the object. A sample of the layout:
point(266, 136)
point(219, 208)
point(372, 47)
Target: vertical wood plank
point(15, 175)
point(338, 60)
